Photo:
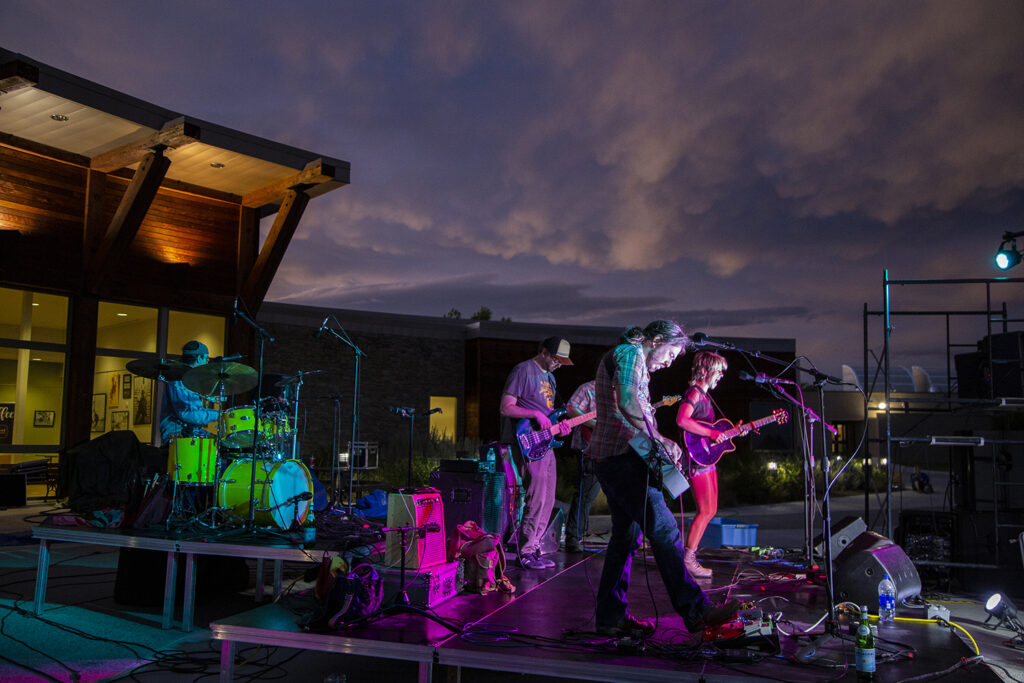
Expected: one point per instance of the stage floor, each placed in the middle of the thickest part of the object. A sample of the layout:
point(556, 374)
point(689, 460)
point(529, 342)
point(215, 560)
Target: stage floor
point(546, 629)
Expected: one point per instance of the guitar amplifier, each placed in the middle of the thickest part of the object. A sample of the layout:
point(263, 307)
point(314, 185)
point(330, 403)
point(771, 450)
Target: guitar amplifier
point(416, 509)
point(478, 496)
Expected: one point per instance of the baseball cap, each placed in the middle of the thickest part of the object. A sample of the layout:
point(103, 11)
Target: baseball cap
point(559, 348)
point(194, 349)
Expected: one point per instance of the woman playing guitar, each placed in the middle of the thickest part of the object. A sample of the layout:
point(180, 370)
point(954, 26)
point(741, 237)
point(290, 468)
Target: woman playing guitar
point(696, 413)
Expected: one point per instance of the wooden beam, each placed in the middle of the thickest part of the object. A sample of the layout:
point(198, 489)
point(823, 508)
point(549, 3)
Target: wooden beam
point(315, 173)
point(174, 134)
point(287, 220)
point(127, 220)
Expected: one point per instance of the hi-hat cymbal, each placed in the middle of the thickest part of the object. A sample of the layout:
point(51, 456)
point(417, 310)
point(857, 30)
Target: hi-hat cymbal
point(158, 368)
point(220, 379)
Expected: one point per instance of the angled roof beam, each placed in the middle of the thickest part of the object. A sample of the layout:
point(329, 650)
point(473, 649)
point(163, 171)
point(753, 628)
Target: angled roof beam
point(315, 173)
point(287, 220)
point(174, 134)
point(128, 218)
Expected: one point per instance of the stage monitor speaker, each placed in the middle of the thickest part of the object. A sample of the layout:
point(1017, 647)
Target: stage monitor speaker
point(971, 375)
point(858, 569)
point(416, 510)
point(842, 534)
point(478, 496)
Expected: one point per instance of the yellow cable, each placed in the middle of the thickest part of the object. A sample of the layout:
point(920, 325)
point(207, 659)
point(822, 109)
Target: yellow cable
point(934, 620)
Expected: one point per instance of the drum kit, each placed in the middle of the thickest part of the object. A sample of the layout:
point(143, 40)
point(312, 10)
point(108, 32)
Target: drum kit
point(250, 464)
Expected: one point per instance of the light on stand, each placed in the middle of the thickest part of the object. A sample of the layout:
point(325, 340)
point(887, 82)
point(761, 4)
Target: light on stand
point(1008, 256)
point(773, 466)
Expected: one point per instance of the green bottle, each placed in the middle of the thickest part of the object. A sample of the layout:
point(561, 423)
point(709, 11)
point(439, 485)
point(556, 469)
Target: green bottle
point(865, 653)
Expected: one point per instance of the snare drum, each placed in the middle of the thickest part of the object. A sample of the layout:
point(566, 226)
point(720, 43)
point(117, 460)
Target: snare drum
point(237, 427)
point(192, 461)
point(277, 486)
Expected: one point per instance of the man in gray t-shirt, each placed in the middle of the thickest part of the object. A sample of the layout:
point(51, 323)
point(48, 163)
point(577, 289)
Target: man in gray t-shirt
point(530, 394)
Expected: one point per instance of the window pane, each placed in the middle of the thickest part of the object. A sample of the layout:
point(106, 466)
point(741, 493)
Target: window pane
point(121, 400)
point(130, 328)
point(31, 316)
point(31, 409)
point(443, 423)
point(184, 327)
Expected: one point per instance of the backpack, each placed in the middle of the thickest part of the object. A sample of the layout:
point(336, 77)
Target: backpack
point(484, 568)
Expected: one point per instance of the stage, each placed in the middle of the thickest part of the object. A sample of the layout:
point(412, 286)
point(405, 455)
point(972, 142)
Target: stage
point(543, 632)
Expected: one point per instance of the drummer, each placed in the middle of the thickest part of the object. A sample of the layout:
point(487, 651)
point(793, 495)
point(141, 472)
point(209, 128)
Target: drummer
point(183, 412)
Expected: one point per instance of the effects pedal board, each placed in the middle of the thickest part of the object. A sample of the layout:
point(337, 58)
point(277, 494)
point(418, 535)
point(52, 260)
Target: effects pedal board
point(752, 629)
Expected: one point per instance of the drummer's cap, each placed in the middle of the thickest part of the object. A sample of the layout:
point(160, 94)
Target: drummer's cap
point(194, 349)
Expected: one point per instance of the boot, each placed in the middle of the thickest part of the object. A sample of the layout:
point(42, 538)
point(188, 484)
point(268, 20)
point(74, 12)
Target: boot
point(693, 566)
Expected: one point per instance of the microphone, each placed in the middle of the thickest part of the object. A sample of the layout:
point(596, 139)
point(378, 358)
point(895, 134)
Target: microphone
point(433, 410)
point(323, 326)
point(701, 339)
point(761, 378)
point(397, 410)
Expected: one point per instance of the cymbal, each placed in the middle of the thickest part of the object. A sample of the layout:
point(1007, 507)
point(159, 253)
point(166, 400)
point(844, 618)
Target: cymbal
point(220, 379)
point(158, 368)
point(296, 378)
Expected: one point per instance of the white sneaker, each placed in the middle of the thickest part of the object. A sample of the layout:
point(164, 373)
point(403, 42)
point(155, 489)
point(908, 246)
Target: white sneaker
point(693, 566)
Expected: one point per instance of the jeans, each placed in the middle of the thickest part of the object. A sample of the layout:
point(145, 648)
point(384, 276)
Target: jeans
point(578, 521)
point(637, 506)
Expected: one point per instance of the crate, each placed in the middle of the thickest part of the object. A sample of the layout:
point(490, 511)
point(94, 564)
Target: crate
point(723, 531)
point(426, 587)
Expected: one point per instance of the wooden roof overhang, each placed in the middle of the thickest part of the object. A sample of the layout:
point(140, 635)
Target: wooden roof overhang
point(56, 115)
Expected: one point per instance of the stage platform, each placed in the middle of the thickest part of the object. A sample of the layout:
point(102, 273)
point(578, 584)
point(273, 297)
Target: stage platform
point(546, 630)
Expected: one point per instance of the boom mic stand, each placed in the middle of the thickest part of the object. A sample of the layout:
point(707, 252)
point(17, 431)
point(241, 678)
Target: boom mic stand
point(343, 336)
point(264, 336)
point(402, 597)
point(411, 414)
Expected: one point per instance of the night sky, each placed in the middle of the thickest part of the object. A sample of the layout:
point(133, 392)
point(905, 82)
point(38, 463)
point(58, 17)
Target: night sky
point(748, 168)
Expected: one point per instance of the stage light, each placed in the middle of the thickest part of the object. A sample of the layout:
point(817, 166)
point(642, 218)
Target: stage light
point(1008, 255)
point(1007, 258)
point(881, 406)
point(773, 466)
point(1000, 607)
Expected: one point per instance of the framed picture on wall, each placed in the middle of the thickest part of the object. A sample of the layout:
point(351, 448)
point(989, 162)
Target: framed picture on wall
point(115, 390)
point(118, 420)
point(99, 412)
point(43, 418)
point(142, 401)
point(126, 386)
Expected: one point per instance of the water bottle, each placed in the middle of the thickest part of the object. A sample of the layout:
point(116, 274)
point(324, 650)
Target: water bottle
point(865, 649)
point(886, 600)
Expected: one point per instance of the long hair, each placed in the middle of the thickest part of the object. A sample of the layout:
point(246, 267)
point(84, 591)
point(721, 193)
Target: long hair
point(704, 363)
point(669, 331)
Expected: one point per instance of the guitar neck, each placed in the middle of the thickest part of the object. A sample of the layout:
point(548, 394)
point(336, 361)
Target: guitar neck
point(580, 419)
point(756, 424)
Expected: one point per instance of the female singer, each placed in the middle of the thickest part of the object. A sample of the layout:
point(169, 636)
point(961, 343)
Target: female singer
point(696, 415)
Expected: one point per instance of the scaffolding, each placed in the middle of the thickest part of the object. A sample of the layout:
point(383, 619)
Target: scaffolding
point(996, 319)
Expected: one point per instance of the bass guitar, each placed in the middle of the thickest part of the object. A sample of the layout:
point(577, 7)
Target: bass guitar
point(534, 443)
point(705, 452)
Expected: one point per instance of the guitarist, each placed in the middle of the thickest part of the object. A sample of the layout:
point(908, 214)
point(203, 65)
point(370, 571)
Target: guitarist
point(696, 414)
point(634, 498)
point(530, 393)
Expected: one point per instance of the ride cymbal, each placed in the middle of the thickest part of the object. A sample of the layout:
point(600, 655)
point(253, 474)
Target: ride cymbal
point(220, 378)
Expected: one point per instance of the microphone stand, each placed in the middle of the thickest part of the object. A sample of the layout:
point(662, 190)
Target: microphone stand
point(343, 336)
point(411, 414)
point(264, 337)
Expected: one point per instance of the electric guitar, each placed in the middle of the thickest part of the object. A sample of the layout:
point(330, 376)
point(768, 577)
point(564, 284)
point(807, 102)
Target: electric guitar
point(705, 452)
point(672, 480)
point(534, 443)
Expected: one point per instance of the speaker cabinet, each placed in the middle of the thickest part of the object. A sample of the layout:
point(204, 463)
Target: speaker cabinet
point(416, 510)
point(859, 568)
point(1007, 362)
point(478, 496)
point(842, 534)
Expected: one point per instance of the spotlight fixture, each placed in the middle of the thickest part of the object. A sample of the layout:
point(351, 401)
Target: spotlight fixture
point(1008, 255)
point(1002, 608)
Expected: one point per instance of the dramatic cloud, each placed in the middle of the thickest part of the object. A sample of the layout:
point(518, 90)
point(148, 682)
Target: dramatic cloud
point(750, 168)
